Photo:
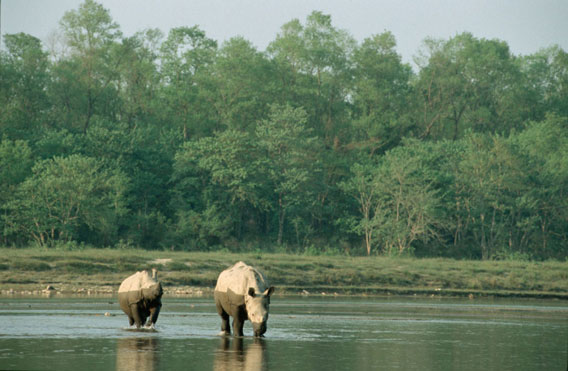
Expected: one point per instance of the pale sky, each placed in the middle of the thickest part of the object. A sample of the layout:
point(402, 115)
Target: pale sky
point(526, 25)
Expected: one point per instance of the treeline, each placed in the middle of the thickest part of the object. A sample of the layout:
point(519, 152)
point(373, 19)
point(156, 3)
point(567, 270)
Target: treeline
point(319, 144)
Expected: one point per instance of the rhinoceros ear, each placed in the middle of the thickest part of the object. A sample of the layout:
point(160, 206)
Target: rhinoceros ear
point(269, 292)
point(251, 291)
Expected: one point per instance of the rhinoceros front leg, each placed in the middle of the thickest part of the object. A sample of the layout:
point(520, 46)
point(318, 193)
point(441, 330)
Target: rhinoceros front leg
point(219, 299)
point(154, 312)
point(238, 326)
point(225, 326)
point(136, 315)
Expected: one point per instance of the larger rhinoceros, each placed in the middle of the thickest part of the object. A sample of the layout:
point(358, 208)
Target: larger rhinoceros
point(140, 297)
point(243, 292)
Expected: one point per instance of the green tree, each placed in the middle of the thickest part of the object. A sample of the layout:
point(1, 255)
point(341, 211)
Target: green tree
point(467, 83)
point(314, 71)
point(290, 165)
point(546, 75)
point(410, 206)
point(66, 194)
point(287, 53)
point(85, 83)
point(217, 184)
point(15, 166)
point(238, 85)
point(361, 187)
point(185, 58)
point(489, 179)
point(145, 155)
point(541, 206)
point(138, 80)
point(381, 94)
point(249, 177)
point(23, 80)
point(398, 202)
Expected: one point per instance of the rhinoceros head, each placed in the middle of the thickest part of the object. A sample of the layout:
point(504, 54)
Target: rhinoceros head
point(152, 289)
point(257, 305)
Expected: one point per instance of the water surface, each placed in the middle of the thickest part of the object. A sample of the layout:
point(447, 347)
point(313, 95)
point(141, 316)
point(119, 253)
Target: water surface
point(304, 333)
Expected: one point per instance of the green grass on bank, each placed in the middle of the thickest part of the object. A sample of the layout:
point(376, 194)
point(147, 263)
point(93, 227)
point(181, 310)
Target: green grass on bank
point(89, 269)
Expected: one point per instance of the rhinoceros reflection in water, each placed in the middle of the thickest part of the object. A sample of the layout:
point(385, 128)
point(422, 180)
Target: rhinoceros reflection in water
point(237, 357)
point(138, 354)
point(140, 297)
point(242, 292)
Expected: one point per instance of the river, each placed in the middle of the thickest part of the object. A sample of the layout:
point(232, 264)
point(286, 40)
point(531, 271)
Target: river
point(304, 333)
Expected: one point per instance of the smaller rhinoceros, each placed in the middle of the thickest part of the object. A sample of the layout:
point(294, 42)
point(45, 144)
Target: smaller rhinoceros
point(242, 292)
point(140, 297)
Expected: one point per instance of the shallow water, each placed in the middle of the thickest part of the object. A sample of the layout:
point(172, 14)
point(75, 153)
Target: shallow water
point(304, 333)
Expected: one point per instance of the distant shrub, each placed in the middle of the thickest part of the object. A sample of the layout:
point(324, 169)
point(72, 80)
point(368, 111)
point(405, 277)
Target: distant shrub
point(506, 254)
point(311, 251)
point(69, 245)
point(125, 245)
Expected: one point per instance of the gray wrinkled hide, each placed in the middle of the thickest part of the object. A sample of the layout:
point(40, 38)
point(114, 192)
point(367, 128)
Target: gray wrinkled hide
point(140, 297)
point(243, 292)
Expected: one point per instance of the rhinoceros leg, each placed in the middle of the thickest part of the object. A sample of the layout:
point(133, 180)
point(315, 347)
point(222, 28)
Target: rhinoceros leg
point(136, 315)
point(239, 317)
point(238, 326)
point(225, 327)
point(221, 302)
point(154, 312)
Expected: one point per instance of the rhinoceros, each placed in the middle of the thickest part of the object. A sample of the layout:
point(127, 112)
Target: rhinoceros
point(140, 297)
point(243, 292)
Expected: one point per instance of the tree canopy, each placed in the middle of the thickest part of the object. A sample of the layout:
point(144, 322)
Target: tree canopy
point(318, 144)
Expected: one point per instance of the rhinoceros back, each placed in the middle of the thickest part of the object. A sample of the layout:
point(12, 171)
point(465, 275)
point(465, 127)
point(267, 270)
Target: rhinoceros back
point(130, 290)
point(239, 278)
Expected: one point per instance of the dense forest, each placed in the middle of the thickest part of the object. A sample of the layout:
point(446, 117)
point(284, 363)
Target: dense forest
point(320, 144)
